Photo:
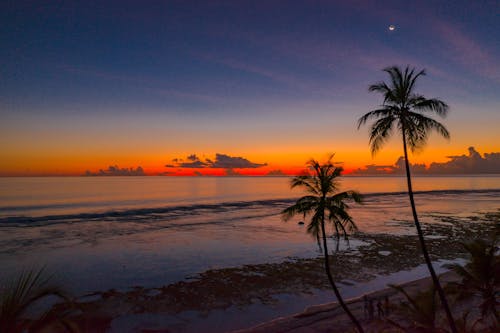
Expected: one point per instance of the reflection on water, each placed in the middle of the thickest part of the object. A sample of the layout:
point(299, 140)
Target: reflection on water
point(149, 246)
point(76, 195)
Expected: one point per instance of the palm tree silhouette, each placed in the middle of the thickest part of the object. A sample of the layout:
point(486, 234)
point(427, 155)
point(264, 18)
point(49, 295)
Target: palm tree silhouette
point(406, 110)
point(323, 202)
point(480, 276)
point(420, 309)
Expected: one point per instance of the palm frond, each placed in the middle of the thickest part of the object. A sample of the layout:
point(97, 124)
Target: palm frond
point(400, 102)
point(306, 181)
point(23, 292)
point(342, 196)
point(384, 89)
point(338, 215)
point(314, 226)
point(303, 206)
point(413, 78)
point(420, 126)
point(356, 196)
point(380, 132)
point(480, 275)
point(396, 78)
point(375, 114)
point(421, 308)
point(423, 104)
point(416, 135)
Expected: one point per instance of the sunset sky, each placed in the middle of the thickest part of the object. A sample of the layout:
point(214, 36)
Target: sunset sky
point(91, 84)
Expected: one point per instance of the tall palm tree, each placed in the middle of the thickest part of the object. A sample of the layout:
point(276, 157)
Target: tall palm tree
point(324, 203)
point(406, 111)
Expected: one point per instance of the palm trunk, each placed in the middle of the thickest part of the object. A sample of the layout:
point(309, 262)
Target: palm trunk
point(334, 286)
point(435, 279)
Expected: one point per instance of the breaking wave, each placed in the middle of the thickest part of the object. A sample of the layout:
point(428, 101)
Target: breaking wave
point(253, 208)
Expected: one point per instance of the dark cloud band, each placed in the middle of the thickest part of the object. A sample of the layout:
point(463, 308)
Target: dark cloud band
point(114, 170)
point(473, 163)
point(222, 161)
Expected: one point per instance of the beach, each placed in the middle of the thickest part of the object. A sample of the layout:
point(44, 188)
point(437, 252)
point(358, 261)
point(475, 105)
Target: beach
point(246, 166)
point(331, 318)
point(223, 261)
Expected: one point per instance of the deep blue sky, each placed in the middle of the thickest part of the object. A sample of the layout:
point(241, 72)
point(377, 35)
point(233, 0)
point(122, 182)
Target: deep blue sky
point(233, 76)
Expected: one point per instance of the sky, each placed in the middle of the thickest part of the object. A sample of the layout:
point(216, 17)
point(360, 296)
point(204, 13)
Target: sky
point(236, 87)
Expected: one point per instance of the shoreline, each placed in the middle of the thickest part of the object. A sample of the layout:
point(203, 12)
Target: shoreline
point(322, 317)
point(259, 311)
point(223, 293)
point(238, 291)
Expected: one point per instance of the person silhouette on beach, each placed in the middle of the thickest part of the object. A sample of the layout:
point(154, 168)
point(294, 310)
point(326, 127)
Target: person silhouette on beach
point(366, 305)
point(380, 311)
point(371, 309)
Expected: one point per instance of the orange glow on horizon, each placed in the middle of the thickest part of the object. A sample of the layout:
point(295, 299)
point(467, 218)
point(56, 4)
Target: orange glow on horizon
point(288, 162)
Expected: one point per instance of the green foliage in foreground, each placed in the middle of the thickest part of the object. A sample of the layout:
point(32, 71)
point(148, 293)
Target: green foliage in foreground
point(480, 277)
point(421, 309)
point(21, 294)
point(479, 284)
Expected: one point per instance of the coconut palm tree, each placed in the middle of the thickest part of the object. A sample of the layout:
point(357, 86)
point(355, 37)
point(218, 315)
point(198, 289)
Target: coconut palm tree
point(324, 204)
point(405, 110)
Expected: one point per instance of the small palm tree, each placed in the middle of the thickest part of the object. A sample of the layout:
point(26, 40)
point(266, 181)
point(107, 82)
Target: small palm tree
point(18, 295)
point(480, 276)
point(420, 309)
point(324, 204)
point(406, 110)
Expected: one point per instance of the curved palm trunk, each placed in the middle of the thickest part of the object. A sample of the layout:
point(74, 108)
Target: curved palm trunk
point(435, 279)
point(334, 286)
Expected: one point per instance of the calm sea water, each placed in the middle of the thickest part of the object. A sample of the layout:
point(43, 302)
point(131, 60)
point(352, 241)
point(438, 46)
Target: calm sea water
point(116, 232)
point(47, 196)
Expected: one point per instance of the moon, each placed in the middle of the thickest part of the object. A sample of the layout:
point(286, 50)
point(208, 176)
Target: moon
point(392, 27)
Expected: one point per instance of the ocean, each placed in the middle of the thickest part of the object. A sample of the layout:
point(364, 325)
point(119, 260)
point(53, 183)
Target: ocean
point(98, 233)
point(125, 231)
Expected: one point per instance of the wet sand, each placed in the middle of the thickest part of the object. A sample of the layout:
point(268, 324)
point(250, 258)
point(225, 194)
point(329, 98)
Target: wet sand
point(331, 318)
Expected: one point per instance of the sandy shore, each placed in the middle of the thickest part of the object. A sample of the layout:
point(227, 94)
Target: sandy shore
point(331, 318)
